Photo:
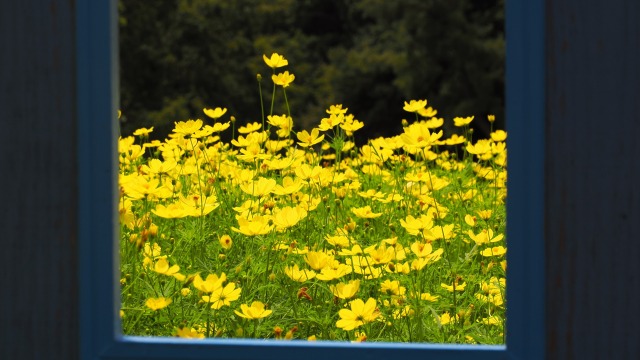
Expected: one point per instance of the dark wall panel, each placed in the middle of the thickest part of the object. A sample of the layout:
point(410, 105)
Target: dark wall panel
point(38, 306)
point(593, 179)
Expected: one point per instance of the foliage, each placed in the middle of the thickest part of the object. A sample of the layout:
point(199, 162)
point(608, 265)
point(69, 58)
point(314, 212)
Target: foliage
point(177, 56)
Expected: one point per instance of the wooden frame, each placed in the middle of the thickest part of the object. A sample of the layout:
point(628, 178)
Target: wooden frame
point(97, 94)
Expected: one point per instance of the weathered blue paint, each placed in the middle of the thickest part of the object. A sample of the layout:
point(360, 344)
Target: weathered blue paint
point(97, 95)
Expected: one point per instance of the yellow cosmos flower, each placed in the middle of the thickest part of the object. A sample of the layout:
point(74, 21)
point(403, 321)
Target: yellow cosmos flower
point(260, 187)
point(215, 113)
point(309, 139)
point(360, 313)
point(392, 287)
point(284, 124)
point(457, 287)
point(258, 225)
point(218, 127)
point(470, 220)
point(283, 79)
point(414, 226)
point(494, 251)
point(225, 242)
point(381, 254)
point(429, 297)
point(162, 267)
point(421, 249)
point(430, 112)
point(455, 139)
point(332, 272)
point(143, 131)
point(498, 135)
point(298, 275)
point(365, 212)
point(482, 146)
point(460, 121)
point(209, 285)
point(337, 109)
point(289, 186)
point(484, 237)
point(317, 260)
point(275, 61)
point(418, 136)
point(223, 296)
point(255, 311)
point(157, 303)
point(492, 320)
point(288, 216)
point(187, 127)
point(189, 333)
point(249, 128)
point(331, 121)
point(446, 319)
point(414, 105)
point(345, 290)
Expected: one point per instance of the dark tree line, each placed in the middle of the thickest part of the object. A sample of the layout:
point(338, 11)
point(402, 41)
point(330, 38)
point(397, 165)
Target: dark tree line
point(178, 56)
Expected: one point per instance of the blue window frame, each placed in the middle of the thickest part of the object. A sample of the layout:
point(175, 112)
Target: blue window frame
point(97, 94)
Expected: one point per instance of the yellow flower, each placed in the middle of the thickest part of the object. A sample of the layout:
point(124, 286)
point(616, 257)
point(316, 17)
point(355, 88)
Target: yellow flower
point(491, 118)
point(223, 296)
point(414, 105)
point(429, 297)
point(157, 303)
point(414, 226)
point(283, 79)
point(275, 61)
point(330, 122)
point(260, 187)
point(360, 313)
point(258, 225)
point(447, 319)
point(171, 211)
point(226, 242)
point(470, 220)
point(187, 127)
point(430, 112)
point(317, 259)
point(494, 251)
point(288, 216)
point(450, 288)
point(212, 283)
point(255, 311)
point(492, 320)
point(330, 272)
point(345, 290)
point(421, 249)
point(189, 333)
point(298, 275)
point(215, 113)
point(143, 131)
point(284, 124)
point(392, 287)
point(460, 121)
point(309, 139)
point(482, 146)
point(162, 267)
point(485, 236)
point(365, 212)
point(499, 135)
point(249, 128)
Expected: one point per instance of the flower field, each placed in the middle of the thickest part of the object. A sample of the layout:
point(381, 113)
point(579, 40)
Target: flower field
point(294, 234)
